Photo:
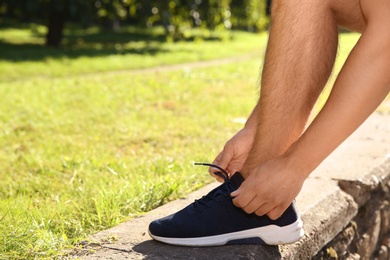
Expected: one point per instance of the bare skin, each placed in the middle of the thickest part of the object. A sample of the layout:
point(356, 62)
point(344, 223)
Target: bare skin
point(274, 149)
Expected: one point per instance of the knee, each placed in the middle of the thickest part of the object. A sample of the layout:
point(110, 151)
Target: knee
point(376, 12)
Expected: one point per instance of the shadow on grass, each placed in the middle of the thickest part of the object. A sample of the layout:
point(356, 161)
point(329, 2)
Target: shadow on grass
point(89, 45)
point(78, 42)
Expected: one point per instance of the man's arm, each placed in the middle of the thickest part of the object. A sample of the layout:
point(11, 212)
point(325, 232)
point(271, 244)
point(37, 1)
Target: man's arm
point(360, 87)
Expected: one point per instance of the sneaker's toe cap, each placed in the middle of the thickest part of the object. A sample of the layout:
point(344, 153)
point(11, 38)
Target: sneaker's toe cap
point(155, 228)
point(162, 228)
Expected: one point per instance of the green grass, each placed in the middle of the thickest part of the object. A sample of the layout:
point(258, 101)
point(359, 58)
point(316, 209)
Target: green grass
point(81, 153)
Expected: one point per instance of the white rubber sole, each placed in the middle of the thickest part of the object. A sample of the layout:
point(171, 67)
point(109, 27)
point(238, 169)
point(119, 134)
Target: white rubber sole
point(271, 235)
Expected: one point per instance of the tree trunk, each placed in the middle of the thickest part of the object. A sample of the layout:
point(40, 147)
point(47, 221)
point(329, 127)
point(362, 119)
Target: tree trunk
point(268, 8)
point(55, 28)
point(166, 17)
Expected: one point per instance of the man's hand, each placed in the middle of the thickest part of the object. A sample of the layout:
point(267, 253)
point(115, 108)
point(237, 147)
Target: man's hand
point(234, 153)
point(270, 188)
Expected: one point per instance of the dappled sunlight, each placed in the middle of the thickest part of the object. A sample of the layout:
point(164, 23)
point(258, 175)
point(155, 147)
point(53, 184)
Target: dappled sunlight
point(25, 57)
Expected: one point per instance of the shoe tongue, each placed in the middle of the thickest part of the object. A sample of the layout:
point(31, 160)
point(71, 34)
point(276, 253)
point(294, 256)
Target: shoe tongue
point(236, 179)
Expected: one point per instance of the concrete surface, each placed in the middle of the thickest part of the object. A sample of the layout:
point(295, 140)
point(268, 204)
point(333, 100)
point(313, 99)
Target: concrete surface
point(328, 201)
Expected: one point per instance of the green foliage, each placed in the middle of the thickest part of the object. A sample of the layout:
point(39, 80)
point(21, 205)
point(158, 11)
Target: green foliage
point(180, 15)
point(38, 10)
point(249, 15)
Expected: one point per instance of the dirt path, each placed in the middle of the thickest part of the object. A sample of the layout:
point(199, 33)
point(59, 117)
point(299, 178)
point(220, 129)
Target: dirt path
point(191, 65)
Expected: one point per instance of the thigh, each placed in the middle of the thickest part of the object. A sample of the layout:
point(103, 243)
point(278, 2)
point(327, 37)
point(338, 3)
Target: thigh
point(346, 13)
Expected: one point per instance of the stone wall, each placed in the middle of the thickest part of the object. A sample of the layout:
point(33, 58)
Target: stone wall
point(368, 235)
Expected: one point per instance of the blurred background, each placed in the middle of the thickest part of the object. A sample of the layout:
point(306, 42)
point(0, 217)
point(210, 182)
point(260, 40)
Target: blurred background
point(176, 17)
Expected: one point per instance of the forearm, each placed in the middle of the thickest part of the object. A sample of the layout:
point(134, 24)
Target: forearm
point(361, 86)
point(252, 121)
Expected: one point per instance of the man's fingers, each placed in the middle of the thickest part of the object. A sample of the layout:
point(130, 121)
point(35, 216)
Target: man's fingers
point(213, 170)
point(223, 160)
point(276, 212)
point(256, 205)
point(216, 162)
point(264, 209)
point(241, 200)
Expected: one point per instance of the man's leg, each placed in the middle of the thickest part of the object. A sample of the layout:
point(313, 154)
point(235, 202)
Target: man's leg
point(299, 59)
point(360, 87)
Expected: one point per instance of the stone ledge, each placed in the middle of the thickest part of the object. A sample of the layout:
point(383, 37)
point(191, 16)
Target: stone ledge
point(325, 208)
point(360, 189)
point(368, 234)
point(323, 215)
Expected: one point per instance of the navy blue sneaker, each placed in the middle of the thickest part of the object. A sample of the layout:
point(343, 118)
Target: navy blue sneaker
point(214, 220)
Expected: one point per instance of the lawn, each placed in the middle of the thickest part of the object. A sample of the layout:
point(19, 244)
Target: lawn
point(83, 150)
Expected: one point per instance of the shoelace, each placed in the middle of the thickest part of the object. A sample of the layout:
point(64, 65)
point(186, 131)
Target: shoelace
point(228, 185)
point(223, 174)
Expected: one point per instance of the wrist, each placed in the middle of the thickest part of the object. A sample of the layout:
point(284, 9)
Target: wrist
point(250, 127)
point(252, 122)
point(299, 161)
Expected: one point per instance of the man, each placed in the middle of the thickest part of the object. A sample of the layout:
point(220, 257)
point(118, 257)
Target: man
point(273, 152)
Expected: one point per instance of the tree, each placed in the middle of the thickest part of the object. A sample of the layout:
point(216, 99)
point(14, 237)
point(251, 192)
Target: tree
point(57, 14)
point(54, 13)
point(59, 11)
point(268, 8)
point(249, 14)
